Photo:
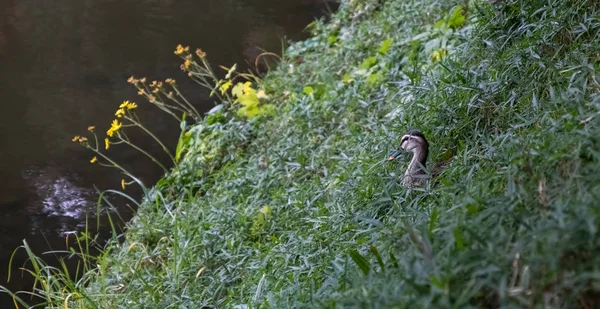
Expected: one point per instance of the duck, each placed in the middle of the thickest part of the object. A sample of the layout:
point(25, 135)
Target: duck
point(417, 173)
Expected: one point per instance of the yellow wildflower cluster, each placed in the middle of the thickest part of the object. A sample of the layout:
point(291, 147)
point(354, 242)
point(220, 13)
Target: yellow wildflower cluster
point(114, 127)
point(180, 50)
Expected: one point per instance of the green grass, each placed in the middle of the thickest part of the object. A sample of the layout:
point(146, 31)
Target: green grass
point(512, 222)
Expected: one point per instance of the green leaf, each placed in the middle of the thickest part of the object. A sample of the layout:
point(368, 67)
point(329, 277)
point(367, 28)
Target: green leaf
point(374, 78)
point(374, 251)
point(267, 109)
point(360, 261)
point(308, 90)
point(238, 90)
point(368, 63)
point(332, 39)
point(249, 99)
point(435, 213)
point(182, 144)
point(459, 238)
point(231, 70)
point(385, 46)
point(457, 19)
point(441, 24)
point(347, 78)
point(248, 111)
point(184, 139)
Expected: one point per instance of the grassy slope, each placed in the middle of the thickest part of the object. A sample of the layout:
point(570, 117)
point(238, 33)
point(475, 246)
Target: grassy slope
point(512, 221)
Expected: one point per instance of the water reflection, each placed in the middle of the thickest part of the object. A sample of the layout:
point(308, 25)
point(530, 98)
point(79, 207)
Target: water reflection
point(60, 196)
point(63, 67)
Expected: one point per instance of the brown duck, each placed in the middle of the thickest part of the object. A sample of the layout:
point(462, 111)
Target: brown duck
point(417, 172)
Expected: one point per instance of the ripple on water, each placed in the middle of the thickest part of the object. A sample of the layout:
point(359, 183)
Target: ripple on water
point(58, 195)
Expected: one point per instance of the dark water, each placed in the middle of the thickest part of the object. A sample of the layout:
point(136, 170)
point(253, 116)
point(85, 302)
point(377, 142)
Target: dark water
point(63, 67)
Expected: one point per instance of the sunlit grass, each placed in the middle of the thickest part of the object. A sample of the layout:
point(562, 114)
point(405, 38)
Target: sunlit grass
point(293, 208)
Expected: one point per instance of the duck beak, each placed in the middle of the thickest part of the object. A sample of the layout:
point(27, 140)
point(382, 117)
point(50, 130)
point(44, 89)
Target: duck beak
point(395, 155)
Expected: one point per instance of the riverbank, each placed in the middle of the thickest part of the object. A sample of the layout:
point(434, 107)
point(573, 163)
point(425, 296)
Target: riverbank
point(296, 209)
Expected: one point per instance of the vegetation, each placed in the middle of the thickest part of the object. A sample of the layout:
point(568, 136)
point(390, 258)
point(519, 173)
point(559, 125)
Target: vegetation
point(290, 204)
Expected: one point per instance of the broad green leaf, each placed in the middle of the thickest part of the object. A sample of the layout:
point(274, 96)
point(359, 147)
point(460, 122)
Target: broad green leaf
point(441, 24)
point(252, 111)
point(385, 46)
point(332, 39)
point(248, 87)
point(267, 109)
point(249, 99)
point(347, 78)
point(248, 111)
point(457, 19)
point(368, 63)
point(238, 90)
point(374, 78)
point(308, 90)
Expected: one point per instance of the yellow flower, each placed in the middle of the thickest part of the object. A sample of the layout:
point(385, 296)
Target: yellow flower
point(141, 92)
point(123, 184)
point(93, 160)
point(153, 83)
point(131, 105)
point(131, 80)
point(152, 99)
point(200, 53)
point(155, 90)
point(76, 138)
point(107, 143)
point(91, 128)
point(143, 80)
point(438, 54)
point(120, 112)
point(187, 64)
point(83, 139)
point(124, 104)
point(114, 127)
point(180, 50)
point(170, 81)
point(225, 86)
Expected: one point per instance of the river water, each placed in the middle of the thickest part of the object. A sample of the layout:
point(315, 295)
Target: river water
point(64, 66)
